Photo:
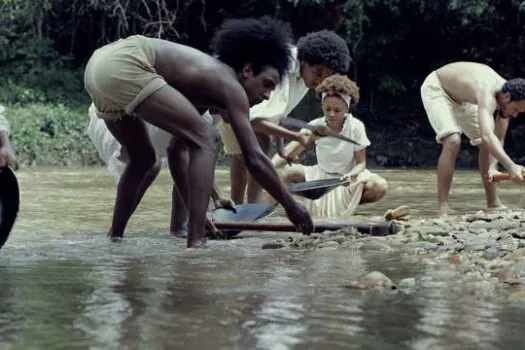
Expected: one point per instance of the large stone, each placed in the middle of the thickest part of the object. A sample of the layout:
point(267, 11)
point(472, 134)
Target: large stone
point(435, 230)
point(503, 224)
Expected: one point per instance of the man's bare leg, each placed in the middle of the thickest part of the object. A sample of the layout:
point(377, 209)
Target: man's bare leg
point(141, 169)
point(178, 162)
point(446, 166)
point(169, 110)
point(491, 189)
point(254, 189)
point(238, 179)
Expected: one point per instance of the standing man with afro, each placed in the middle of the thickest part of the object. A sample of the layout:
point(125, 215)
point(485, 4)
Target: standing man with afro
point(316, 56)
point(140, 79)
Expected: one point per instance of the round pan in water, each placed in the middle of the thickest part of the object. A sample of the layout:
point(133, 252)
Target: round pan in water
point(314, 189)
point(9, 202)
point(245, 213)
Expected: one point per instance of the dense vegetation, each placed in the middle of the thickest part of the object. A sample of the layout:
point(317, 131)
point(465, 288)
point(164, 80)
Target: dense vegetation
point(394, 44)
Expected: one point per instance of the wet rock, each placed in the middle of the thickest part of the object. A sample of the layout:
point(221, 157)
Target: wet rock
point(273, 245)
point(328, 245)
point(373, 280)
point(483, 216)
point(349, 245)
point(503, 224)
point(519, 234)
point(519, 269)
point(407, 283)
point(518, 254)
point(498, 264)
point(517, 296)
point(508, 245)
point(374, 246)
point(478, 231)
point(481, 251)
point(339, 238)
point(421, 245)
point(435, 230)
point(477, 225)
point(492, 253)
point(476, 246)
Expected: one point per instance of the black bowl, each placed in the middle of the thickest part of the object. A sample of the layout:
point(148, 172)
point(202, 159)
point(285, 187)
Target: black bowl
point(314, 189)
point(9, 202)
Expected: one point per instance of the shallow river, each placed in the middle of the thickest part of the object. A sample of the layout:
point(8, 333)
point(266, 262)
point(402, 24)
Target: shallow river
point(63, 286)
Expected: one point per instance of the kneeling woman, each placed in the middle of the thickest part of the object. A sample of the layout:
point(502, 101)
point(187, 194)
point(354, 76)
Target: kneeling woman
point(337, 158)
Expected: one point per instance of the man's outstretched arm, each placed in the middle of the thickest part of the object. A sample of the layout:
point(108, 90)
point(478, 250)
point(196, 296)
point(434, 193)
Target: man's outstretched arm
point(260, 165)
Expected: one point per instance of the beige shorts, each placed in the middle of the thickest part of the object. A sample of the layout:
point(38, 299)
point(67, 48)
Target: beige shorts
point(121, 75)
point(448, 116)
point(231, 146)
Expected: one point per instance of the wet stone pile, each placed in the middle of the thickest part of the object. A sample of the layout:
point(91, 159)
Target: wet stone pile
point(484, 247)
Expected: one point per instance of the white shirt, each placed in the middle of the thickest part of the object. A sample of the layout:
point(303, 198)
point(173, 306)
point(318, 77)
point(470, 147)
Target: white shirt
point(286, 95)
point(109, 148)
point(338, 156)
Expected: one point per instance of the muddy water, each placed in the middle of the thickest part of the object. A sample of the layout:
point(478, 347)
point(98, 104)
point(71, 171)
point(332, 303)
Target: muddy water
point(62, 286)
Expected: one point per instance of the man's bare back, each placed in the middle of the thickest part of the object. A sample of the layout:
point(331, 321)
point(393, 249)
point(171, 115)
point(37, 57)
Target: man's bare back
point(189, 70)
point(465, 81)
point(449, 95)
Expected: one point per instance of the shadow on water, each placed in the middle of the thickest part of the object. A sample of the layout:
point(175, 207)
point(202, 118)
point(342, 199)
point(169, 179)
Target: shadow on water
point(64, 287)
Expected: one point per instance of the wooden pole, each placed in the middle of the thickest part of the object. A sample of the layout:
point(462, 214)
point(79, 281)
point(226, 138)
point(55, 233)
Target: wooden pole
point(375, 229)
point(501, 177)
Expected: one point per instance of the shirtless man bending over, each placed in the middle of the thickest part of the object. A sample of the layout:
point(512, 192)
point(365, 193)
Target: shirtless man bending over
point(140, 79)
point(471, 98)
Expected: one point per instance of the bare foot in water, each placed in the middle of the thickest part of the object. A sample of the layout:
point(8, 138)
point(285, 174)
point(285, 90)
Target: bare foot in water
point(443, 210)
point(496, 207)
point(114, 238)
point(180, 231)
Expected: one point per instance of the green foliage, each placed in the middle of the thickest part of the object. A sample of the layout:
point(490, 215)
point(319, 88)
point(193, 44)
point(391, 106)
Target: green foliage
point(394, 45)
point(35, 72)
point(45, 134)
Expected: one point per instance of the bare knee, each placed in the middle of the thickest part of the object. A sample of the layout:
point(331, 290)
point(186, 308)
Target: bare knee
point(380, 187)
point(143, 161)
point(452, 143)
point(177, 148)
point(375, 190)
point(203, 140)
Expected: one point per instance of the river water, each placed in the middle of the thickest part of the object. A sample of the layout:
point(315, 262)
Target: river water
point(63, 286)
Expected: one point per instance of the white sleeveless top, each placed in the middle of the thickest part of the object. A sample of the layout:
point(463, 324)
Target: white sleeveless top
point(337, 156)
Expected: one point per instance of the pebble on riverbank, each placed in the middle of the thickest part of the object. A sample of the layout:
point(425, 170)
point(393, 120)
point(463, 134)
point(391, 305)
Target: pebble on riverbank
point(486, 248)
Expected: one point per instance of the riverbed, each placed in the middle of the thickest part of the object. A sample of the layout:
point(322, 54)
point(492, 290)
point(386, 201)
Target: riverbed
point(63, 286)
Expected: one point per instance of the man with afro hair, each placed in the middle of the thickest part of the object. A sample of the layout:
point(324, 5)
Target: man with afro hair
point(141, 79)
point(471, 98)
point(316, 56)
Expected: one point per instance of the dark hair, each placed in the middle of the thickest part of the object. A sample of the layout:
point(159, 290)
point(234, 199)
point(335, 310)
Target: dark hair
point(263, 42)
point(516, 89)
point(336, 84)
point(325, 48)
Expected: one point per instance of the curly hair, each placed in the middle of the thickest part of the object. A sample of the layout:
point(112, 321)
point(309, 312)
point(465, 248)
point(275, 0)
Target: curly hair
point(338, 83)
point(263, 42)
point(516, 89)
point(325, 48)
